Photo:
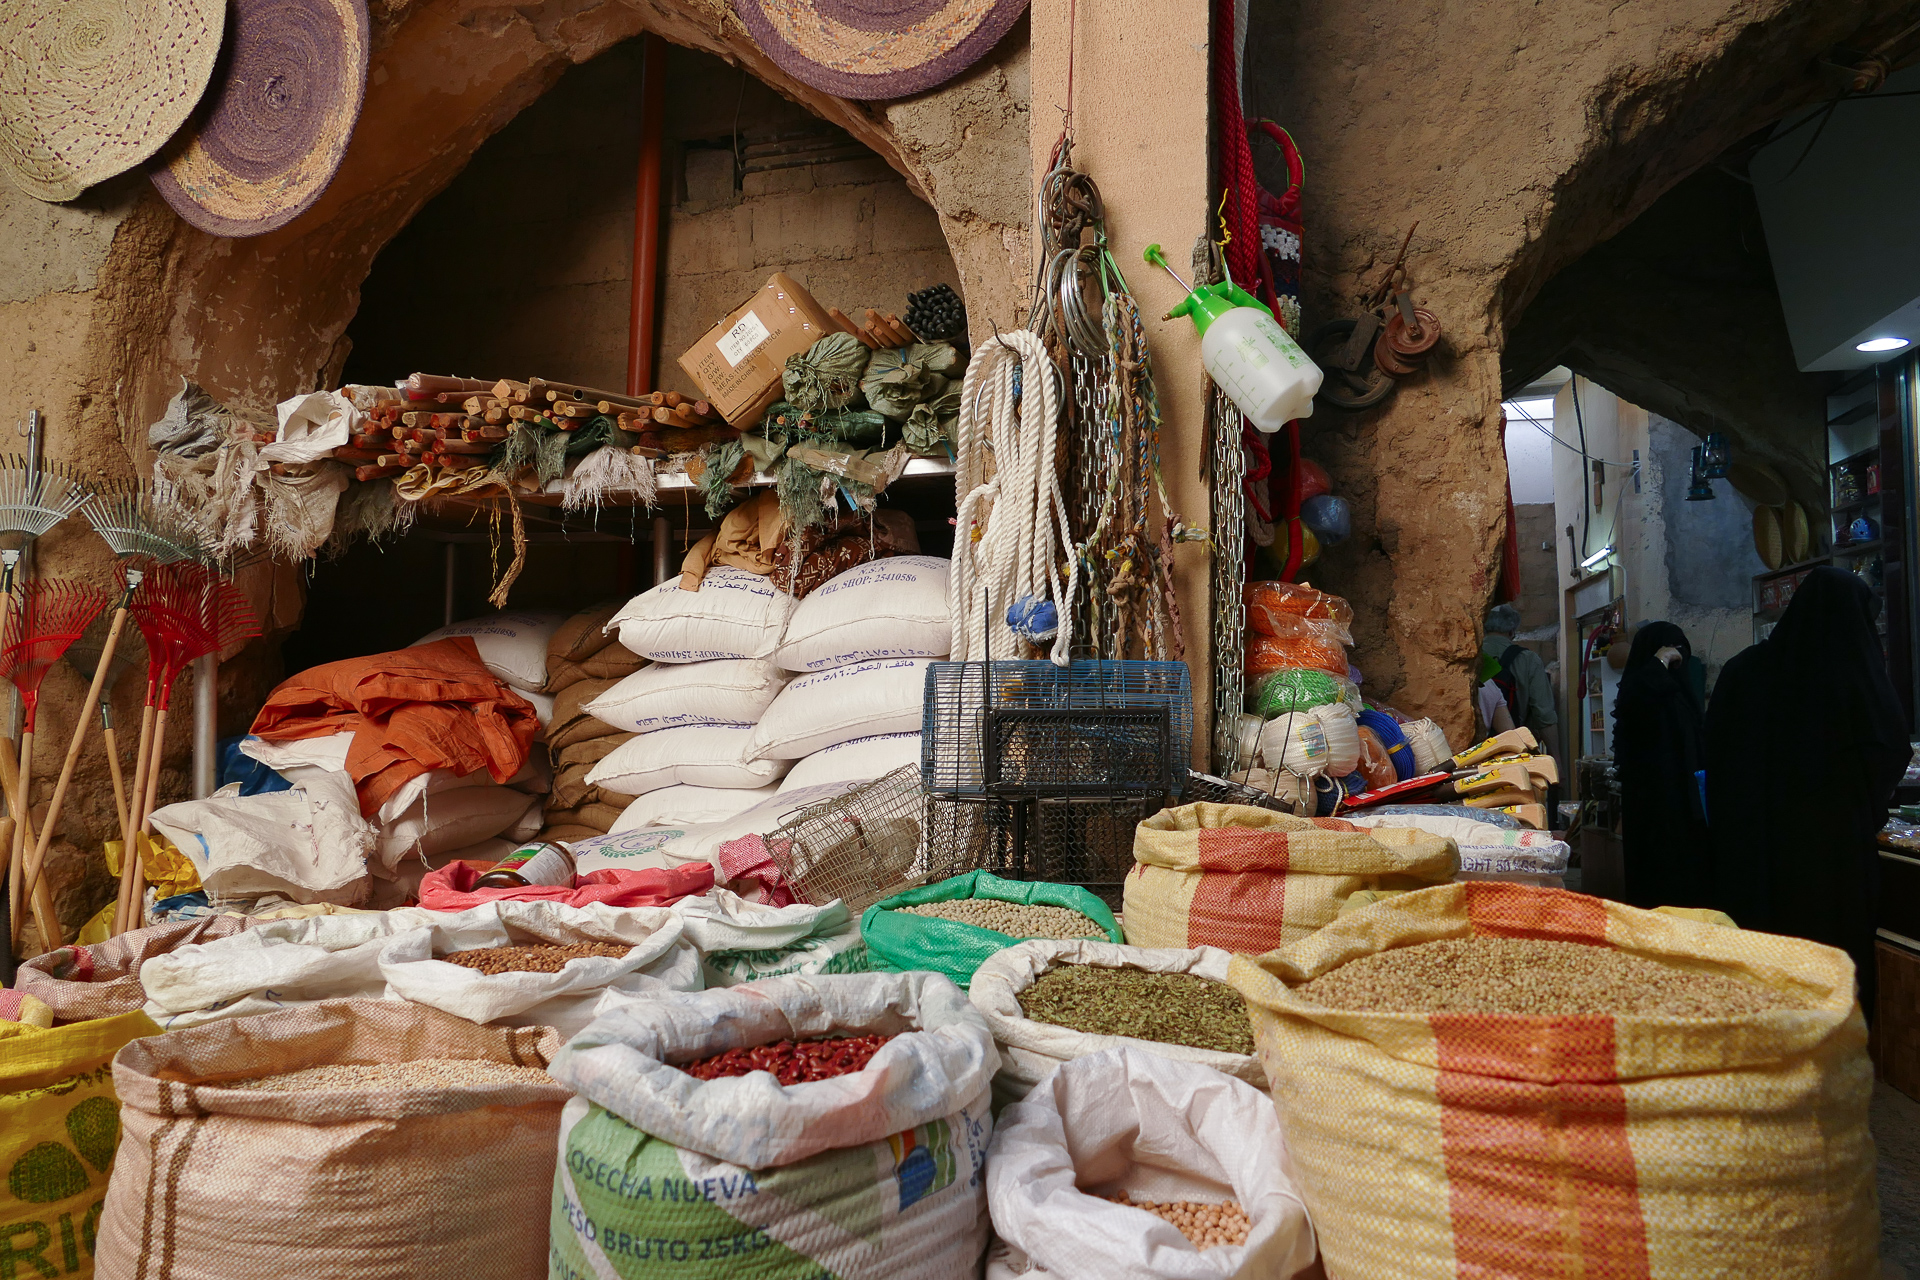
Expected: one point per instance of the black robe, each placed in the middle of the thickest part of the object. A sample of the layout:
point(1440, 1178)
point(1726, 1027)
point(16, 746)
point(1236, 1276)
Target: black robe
point(1659, 744)
point(1806, 741)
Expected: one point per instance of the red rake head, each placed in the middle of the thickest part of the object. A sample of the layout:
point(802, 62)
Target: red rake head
point(186, 611)
point(47, 617)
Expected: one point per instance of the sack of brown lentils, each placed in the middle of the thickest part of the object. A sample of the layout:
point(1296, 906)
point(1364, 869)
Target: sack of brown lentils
point(685, 1154)
point(347, 1138)
point(1126, 1163)
point(1249, 880)
point(1490, 1079)
point(952, 926)
point(1050, 1002)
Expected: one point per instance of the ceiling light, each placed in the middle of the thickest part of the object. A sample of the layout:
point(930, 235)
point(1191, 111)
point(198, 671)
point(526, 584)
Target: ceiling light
point(1881, 344)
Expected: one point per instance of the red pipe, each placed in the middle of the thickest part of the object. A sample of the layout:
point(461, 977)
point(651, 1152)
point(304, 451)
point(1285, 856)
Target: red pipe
point(643, 332)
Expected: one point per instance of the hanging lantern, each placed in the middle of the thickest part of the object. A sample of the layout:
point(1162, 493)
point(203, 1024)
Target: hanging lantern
point(1714, 458)
point(1699, 489)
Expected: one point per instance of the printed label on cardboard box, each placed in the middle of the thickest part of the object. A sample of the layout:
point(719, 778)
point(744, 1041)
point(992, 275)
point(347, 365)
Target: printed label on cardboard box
point(741, 341)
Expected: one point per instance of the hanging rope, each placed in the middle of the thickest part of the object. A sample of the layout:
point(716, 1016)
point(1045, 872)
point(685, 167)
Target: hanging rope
point(1012, 523)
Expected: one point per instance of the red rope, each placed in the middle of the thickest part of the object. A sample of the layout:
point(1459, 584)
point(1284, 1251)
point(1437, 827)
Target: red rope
point(1242, 212)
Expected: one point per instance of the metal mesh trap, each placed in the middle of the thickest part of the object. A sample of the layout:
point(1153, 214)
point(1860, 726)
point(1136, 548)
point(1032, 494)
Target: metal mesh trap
point(865, 845)
point(1007, 730)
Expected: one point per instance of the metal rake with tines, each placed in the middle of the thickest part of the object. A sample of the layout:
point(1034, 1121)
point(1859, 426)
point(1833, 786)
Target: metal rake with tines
point(184, 611)
point(146, 523)
point(49, 615)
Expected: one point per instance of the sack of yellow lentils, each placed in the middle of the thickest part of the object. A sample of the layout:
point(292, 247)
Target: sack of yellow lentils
point(1492, 1080)
point(1247, 879)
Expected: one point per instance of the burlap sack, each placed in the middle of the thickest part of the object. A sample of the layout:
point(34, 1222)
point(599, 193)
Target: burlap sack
point(1432, 1146)
point(449, 1181)
point(570, 722)
point(103, 980)
point(1247, 879)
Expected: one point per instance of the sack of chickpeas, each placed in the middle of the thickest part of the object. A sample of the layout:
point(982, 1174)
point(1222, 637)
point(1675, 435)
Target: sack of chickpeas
point(1126, 1163)
point(346, 1138)
point(793, 1127)
point(952, 926)
point(1248, 880)
point(1489, 1079)
point(1052, 1002)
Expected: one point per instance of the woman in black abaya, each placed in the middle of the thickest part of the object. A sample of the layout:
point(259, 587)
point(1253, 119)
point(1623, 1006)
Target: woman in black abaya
point(1806, 741)
point(1659, 744)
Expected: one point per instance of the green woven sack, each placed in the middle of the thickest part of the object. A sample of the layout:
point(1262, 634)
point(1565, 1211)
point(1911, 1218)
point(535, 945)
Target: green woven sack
point(898, 941)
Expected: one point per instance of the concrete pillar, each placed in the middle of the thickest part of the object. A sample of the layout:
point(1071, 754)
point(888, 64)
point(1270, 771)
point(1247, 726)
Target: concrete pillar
point(1140, 128)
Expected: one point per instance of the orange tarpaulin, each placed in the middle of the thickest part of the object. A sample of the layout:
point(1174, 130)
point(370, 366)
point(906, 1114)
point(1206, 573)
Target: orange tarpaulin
point(434, 706)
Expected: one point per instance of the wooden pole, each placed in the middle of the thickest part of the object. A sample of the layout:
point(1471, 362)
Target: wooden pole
point(127, 858)
point(113, 766)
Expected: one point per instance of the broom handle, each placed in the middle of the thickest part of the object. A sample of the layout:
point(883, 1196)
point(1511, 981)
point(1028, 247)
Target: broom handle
point(113, 767)
point(127, 858)
point(77, 744)
point(41, 897)
point(136, 900)
point(40, 894)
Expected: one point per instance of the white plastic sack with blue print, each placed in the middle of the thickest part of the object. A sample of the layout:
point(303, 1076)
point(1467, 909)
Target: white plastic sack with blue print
point(874, 1175)
point(741, 941)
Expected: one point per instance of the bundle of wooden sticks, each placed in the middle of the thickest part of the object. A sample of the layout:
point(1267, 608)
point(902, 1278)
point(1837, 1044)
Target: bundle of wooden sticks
point(454, 423)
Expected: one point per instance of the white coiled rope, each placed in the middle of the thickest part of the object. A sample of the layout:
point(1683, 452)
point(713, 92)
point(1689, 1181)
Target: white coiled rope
point(1010, 530)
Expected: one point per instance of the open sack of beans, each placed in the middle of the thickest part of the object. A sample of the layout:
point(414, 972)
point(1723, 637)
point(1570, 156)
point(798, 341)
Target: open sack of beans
point(533, 963)
point(102, 980)
point(350, 1138)
point(1248, 879)
point(59, 1127)
point(1125, 1163)
point(1487, 1079)
point(793, 1127)
point(740, 941)
point(1052, 1002)
point(952, 926)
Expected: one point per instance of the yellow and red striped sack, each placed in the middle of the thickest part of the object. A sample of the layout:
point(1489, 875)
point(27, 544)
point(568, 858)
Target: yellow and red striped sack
point(1609, 1148)
point(1248, 879)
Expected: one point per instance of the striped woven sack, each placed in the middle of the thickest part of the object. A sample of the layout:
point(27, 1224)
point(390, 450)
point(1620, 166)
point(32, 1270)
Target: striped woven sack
point(1248, 879)
point(1443, 1145)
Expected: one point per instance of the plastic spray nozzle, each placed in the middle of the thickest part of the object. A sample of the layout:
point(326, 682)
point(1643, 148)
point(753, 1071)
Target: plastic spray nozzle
point(1155, 257)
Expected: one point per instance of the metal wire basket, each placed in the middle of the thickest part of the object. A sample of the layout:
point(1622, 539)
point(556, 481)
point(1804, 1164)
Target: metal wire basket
point(867, 844)
point(1007, 730)
point(1204, 786)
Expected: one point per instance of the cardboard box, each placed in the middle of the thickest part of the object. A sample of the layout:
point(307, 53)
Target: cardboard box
point(737, 364)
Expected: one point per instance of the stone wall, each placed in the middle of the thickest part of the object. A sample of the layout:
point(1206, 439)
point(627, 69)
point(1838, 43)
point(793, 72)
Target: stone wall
point(1518, 136)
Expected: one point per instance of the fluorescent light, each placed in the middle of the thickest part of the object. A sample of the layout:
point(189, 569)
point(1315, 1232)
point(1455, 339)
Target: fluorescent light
point(1881, 344)
point(1597, 557)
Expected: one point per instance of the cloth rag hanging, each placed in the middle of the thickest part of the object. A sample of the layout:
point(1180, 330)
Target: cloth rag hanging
point(432, 706)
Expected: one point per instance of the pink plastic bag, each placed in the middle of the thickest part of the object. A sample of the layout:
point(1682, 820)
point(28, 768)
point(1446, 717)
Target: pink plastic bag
point(451, 888)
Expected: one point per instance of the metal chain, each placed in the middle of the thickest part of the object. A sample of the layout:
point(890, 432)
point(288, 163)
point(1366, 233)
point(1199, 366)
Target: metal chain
point(1229, 518)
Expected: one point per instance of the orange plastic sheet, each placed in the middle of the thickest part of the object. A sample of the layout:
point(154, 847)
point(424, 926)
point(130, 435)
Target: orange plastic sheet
point(433, 706)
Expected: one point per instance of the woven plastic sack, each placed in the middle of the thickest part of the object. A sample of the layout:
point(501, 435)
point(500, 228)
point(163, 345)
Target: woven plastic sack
point(102, 980)
point(872, 1175)
point(742, 941)
point(1270, 602)
point(1432, 1146)
point(1160, 1130)
point(1301, 643)
point(59, 1126)
point(1247, 879)
point(442, 1180)
point(899, 940)
point(1029, 1050)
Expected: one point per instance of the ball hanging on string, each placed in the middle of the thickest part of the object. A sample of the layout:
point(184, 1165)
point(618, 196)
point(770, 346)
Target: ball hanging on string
point(1330, 518)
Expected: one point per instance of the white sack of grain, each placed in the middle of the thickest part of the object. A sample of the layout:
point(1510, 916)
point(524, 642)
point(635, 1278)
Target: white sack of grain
point(513, 646)
point(734, 614)
point(1159, 1130)
point(825, 708)
point(857, 760)
point(705, 755)
point(670, 694)
point(891, 608)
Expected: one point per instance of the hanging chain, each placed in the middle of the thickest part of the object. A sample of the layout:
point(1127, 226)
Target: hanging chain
point(1229, 512)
